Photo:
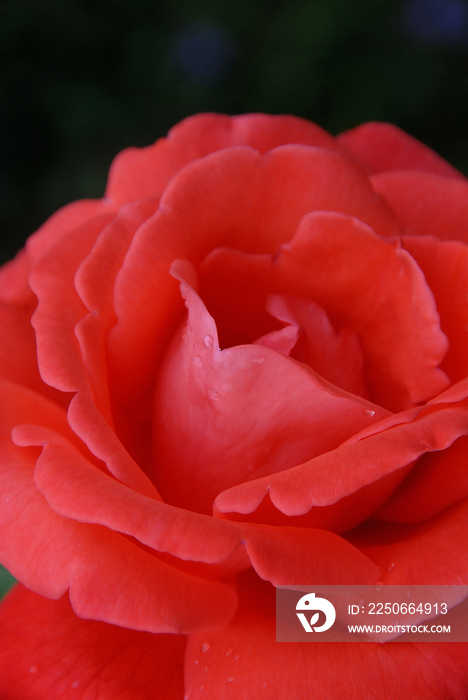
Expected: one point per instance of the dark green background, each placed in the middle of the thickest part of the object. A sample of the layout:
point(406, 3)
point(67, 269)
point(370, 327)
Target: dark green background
point(83, 79)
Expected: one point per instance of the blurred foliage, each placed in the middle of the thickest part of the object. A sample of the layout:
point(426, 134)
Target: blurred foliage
point(82, 79)
point(6, 581)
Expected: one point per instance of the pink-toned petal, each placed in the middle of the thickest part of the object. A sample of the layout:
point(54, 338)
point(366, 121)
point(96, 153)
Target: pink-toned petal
point(384, 453)
point(245, 661)
point(282, 341)
point(59, 311)
point(25, 405)
point(59, 307)
point(109, 577)
point(145, 172)
point(334, 258)
point(331, 260)
point(47, 653)
point(445, 267)
point(25, 530)
point(221, 418)
point(438, 480)
point(454, 394)
point(335, 356)
point(18, 360)
point(432, 552)
point(64, 221)
point(14, 285)
point(235, 287)
point(94, 283)
point(235, 198)
point(293, 555)
point(117, 582)
point(382, 147)
point(76, 489)
point(427, 204)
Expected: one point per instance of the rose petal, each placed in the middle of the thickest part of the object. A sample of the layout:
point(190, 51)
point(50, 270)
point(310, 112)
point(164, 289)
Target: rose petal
point(64, 221)
point(383, 147)
point(445, 267)
point(55, 320)
point(223, 417)
point(337, 258)
point(24, 530)
point(427, 204)
point(14, 286)
point(454, 394)
point(245, 661)
point(77, 490)
point(46, 652)
point(235, 288)
point(334, 258)
point(94, 283)
point(434, 552)
point(61, 365)
point(293, 555)
point(335, 356)
point(236, 198)
point(145, 172)
point(438, 480)
point(18, 360)
point(109, 577)
point(380, 451)
point(282, 341)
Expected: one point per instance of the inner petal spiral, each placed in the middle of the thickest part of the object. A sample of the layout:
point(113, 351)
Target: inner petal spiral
point(222, 417)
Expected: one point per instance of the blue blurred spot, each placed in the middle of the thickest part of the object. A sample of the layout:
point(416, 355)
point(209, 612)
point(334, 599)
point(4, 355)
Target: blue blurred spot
point(204, 53)
point(437, 22)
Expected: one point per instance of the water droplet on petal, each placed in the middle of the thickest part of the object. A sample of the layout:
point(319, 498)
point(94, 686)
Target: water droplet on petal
point(202, 687)
point(75, 684)
point(197, 361)
point(205, 647)
point(33, 669)
point(370, 413)
point(408, 593)
point(213, 394)
point(259, 359)
point(391, 566)
point(237, 657)
point(229, 652)
point(230, 679)
point(208, 342)
point(265, 685)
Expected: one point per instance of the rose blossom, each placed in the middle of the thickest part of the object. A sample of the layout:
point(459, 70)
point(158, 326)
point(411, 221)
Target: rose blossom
point(245, 367)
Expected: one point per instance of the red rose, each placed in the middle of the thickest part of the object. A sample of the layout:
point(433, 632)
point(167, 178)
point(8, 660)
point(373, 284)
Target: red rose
point(155, 489)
